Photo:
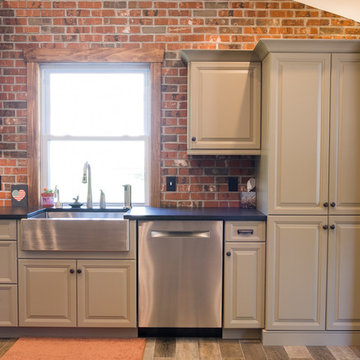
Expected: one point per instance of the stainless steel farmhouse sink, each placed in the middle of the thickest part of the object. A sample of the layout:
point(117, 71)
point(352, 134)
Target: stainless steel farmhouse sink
point(75, 231)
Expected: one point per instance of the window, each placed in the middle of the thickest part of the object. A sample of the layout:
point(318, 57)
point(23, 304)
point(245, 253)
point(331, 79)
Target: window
point(97, 113)
point(35, 57)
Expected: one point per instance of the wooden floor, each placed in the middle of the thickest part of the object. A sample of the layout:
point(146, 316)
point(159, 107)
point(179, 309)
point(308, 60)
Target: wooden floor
point(218, 349)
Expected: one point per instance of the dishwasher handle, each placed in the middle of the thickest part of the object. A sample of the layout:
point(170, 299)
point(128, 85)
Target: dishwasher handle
point(180, 234)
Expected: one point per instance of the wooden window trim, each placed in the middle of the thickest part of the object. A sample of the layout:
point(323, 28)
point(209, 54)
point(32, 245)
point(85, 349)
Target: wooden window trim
point(34, 57)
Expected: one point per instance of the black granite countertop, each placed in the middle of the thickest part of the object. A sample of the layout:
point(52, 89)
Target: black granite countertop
point(150, 213)
point(17, 212)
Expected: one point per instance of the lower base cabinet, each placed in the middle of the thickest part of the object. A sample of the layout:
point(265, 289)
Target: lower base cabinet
point(244, 285)
point(244, 275)
point(8, 274)
point(313, 273)
point(84, 293)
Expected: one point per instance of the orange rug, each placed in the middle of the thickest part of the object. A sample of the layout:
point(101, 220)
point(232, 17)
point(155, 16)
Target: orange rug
point(76, 349)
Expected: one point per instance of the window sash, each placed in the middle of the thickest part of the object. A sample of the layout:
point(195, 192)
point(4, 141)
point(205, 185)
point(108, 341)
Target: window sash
point(46, 71)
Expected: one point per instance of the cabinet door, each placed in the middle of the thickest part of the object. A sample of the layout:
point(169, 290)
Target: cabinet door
point(107, 293)
point(47, 293)
point(297, 93)
point(345, 132)
point(8, 305)
point(244, 282)
point(296, 273)
point(224, 107)
point(8, 273)
point(343, 305)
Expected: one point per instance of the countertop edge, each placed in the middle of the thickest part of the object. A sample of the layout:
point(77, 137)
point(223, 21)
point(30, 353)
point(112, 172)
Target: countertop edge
point(149, 213)
point(231, 214)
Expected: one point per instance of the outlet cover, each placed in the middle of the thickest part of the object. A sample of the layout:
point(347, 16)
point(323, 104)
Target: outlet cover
point(233, 183)
point(170, 183)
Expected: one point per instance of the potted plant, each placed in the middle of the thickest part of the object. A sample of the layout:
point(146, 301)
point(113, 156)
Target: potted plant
point(47, 198)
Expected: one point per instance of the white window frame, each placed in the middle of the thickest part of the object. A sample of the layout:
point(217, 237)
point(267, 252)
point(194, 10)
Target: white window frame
point(45, 137)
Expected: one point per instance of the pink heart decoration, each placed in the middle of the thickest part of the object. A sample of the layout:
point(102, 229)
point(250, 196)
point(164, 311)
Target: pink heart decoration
point(18, 194)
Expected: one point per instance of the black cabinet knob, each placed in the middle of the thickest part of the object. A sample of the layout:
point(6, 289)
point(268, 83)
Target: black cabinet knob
point(193, 138)
point(72, 271)
point(325, 227)
point(333, 204)
point(332, 227)
point(326, 204)
point(79, 271)
point(228, 253)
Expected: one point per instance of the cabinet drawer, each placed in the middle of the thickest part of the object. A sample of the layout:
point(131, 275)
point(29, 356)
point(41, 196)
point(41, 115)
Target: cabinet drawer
point(7, 230)
point(245, 231)
point(8, 305)
point(8, 273)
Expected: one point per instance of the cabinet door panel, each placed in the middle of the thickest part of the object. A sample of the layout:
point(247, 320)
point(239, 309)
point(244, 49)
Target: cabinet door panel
point(345, 131)
point(224, 106)
point(8, 305)
point(298, 113)
point(107, 293)
point(343, 305)
point(296, 273)
point(244, 282)
point(8, 273)
point(47, 293)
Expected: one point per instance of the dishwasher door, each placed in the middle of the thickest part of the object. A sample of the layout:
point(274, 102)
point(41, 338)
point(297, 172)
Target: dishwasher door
point(180, 274)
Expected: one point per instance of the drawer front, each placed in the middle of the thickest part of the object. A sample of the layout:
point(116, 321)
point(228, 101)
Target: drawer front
point(8, 265)
point(7, 230)
point(245, 231)
point(8, 305)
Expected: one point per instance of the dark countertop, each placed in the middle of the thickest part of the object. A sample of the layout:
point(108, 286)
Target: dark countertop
point(17, 213)
point(150, 213)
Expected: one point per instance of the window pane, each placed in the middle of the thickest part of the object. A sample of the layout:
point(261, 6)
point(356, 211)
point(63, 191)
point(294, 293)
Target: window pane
point(97, 104)
point(113, 164)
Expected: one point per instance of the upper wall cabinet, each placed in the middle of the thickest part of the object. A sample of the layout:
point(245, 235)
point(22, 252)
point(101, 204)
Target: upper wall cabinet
point(310, 129)
point(224, 93)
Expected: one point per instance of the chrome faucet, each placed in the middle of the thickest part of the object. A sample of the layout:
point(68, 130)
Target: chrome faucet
point(87, 179)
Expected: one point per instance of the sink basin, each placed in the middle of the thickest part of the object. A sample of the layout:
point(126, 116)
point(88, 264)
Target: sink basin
point(75, 231)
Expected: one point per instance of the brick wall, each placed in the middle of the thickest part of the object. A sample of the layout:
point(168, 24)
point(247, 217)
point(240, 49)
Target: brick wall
point(172, 25)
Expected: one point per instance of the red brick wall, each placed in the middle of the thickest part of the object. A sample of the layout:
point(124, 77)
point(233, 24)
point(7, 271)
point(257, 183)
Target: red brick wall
point(172, 25)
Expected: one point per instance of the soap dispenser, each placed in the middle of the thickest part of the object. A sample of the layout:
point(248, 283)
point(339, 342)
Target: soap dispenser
point(127, 196)
point(102, 200)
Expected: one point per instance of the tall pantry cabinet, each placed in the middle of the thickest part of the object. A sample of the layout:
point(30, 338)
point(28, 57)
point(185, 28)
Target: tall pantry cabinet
point(308, 183)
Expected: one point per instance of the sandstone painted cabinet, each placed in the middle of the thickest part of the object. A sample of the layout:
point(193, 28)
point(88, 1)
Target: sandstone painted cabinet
point(8, 273)
point(308, 185)
point(224, 92)
point(244, 275)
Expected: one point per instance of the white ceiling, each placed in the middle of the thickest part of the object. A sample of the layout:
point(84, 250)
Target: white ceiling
point(346, 8)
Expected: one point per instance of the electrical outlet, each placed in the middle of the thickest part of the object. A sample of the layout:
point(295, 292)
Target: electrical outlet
point(233, 183)
point(170, 183)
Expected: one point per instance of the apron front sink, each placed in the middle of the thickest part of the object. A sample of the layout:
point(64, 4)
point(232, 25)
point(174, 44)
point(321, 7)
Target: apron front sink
point(75, 231)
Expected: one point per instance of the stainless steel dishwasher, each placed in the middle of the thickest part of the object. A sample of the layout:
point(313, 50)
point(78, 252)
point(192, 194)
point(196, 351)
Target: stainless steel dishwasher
point(180, 274)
